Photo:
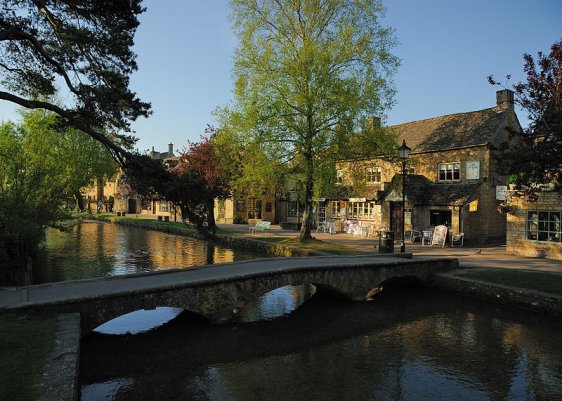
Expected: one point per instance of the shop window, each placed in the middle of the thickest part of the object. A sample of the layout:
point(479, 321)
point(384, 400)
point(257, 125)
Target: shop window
point(440, 217)
point(362, 210)
point(449, 171)
point(544, 226)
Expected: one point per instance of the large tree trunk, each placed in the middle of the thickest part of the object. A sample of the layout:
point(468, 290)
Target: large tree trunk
point(307, 215)
point(79, 200)
point(211, 216)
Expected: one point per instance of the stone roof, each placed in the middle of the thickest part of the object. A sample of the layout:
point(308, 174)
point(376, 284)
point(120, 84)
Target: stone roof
point(451, 131)
point(421, 191)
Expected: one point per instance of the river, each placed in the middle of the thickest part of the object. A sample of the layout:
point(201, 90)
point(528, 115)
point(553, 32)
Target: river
point(409, 343)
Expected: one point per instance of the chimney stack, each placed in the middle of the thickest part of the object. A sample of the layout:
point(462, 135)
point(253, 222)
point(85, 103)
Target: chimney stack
point(373, 122)
point(505, 99)
point(170, 149)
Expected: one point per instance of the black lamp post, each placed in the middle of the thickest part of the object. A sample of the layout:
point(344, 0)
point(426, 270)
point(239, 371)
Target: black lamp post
point(403, 152)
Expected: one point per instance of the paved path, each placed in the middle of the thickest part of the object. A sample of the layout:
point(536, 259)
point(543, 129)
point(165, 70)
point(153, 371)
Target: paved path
point(85, 289)
point(492, 256)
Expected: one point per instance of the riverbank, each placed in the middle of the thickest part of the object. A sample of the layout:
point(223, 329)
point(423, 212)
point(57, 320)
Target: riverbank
point(472, 259)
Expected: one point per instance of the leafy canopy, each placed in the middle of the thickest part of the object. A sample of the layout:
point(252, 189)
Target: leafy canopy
point(539, 161)
point(82, 46)
point(303, 68)
point(42, 168)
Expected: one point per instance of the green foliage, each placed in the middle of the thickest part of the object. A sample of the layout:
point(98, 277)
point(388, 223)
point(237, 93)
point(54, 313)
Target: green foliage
point(304, 69)
point(536, 163)
point(84, 46)
point(41, 169)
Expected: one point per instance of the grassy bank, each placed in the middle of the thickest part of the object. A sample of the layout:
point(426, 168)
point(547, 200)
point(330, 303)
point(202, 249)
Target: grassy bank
point(25, 345)
point(545, 282)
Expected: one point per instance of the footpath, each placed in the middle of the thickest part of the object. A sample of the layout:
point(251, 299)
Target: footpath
point(480, 256)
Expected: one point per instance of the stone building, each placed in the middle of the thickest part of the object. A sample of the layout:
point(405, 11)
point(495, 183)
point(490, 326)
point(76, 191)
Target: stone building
point(116, 197)
point(534, 228)
point(452, 178)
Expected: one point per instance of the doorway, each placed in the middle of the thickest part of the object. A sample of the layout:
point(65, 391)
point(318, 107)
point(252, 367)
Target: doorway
point(132, 206)
point(396, 219)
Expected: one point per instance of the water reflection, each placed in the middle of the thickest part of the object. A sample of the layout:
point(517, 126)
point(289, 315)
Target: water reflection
point(97, 249)
point(415, 345)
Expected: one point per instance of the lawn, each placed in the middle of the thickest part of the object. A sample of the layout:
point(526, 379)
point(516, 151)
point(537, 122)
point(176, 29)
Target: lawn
point(25, 345)
point(313, 244)
point(546, 282)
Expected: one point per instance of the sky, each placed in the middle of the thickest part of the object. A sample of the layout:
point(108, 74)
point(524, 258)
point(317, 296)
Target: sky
point(447, 50)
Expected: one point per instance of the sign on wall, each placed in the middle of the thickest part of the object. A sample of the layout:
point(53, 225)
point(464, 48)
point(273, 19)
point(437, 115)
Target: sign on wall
point(473, 170)
point(501, 192)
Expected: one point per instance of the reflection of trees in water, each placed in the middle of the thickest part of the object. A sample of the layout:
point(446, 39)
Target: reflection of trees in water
point(98, 249)
point(392, 348)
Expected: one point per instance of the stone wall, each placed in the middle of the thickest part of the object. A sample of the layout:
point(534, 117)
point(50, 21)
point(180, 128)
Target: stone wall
point(516, 241)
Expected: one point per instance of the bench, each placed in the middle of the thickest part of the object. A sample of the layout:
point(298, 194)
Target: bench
point(261, 226)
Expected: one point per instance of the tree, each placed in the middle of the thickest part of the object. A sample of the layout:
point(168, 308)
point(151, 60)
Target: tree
point(42, 168)
point(85, 46)
point(538, 162)
point(303, 68)
point(201, 160)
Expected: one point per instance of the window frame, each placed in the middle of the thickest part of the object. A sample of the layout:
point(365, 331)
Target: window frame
point(373, 171)
point(547, 226)
point(452, 171)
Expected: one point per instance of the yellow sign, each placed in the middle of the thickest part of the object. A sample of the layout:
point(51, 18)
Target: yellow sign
point(473, 206)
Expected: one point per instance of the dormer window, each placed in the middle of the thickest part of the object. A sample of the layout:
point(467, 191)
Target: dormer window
point(449, 171)
point(373, 175)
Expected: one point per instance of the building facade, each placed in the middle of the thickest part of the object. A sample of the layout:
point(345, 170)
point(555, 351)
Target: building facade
point(534, 228)
point(453, 177)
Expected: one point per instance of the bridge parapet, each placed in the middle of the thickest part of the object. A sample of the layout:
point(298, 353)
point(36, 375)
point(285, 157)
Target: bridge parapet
point(215, 291)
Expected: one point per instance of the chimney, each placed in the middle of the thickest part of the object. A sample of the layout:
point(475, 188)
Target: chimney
point(504, 99)
point(170, 149)
point(373, 122)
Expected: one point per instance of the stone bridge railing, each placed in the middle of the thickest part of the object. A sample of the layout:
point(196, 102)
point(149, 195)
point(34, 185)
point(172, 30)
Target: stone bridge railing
point(215, 291)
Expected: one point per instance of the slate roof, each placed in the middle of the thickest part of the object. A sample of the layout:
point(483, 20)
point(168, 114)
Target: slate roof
point(451, 131)
point(421, 191)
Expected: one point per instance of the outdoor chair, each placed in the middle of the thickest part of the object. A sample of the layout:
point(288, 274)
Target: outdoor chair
point(427, 236)
point(261, 226)
point(415, 235)
point(457, 239)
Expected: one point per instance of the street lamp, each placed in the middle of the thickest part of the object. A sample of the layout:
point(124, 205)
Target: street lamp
point(403, 152)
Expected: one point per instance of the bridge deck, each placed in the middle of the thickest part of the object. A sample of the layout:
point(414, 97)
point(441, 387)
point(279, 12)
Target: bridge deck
point(68, 291)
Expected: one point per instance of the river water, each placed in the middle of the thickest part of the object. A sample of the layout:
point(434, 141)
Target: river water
point(98, 249)
point(295, 343)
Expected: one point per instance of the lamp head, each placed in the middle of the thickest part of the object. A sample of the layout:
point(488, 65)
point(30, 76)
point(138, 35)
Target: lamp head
point(404, 151)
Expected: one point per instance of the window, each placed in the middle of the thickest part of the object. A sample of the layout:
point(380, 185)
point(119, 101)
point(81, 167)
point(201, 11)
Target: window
point(268, 207)
point(335, 209)
point(440, 217)
point(373, 175)
point(362, 210)
point(544, 226)
point(163, 206)
point(254, 209)
point(449, 171)
point(339, 177)
point(240, 206)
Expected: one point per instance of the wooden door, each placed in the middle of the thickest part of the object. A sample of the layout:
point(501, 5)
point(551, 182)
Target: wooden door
point(396, 220)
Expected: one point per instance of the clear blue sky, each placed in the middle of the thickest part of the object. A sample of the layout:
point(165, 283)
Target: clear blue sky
point(447, 48)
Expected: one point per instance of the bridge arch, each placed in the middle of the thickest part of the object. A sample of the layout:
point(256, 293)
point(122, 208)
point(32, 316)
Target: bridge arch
point(215, 292)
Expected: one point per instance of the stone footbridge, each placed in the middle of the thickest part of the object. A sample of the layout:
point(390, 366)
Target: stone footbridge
point(215, 291)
